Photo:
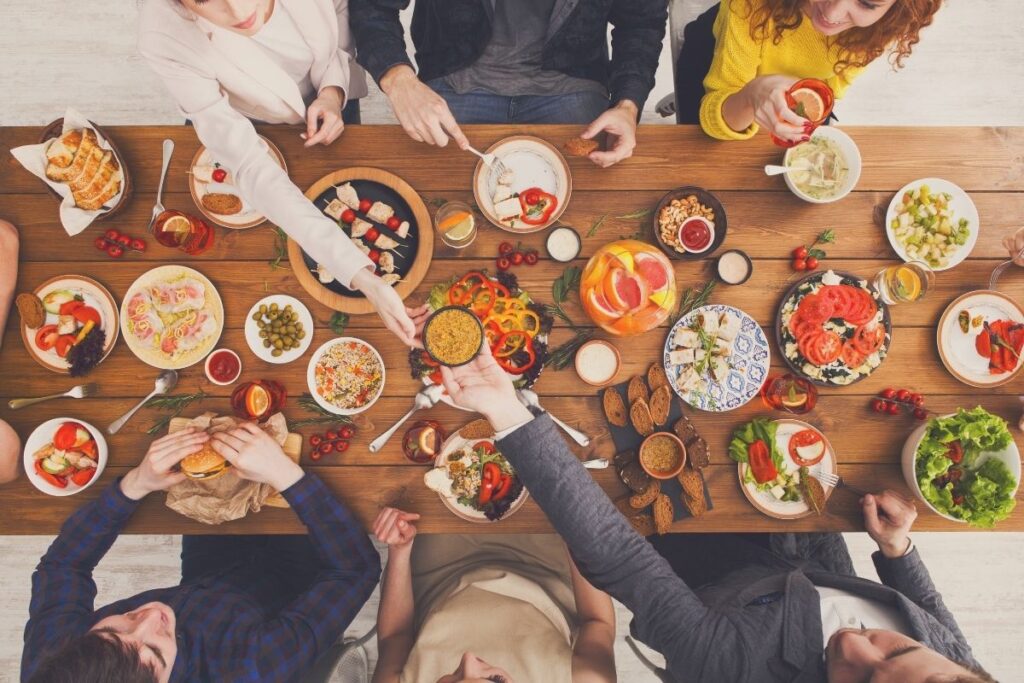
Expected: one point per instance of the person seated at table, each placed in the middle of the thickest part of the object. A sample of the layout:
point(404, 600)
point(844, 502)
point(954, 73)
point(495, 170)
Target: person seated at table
point(495, 607)
point(255, 608)
point(230, 63)
point(537, 61)
point(10, 445)
point(740, 57)
point(777, 607)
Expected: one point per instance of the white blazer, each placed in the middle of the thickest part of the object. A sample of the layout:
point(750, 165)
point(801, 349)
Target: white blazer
point(221, 80)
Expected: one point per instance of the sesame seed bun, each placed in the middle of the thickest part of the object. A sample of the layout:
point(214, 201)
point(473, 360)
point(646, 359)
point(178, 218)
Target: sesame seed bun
point(206, 464)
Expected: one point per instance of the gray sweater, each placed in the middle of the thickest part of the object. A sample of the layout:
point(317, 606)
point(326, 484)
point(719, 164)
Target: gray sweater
point(723, 631)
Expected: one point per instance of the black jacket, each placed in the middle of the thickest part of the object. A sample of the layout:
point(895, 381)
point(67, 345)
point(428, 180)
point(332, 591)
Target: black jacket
point(452, 34)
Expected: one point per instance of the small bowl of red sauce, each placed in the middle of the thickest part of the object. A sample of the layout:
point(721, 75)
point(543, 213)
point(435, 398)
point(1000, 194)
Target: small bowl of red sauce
point(689, 223)
point(696, 234)
point(223, 367)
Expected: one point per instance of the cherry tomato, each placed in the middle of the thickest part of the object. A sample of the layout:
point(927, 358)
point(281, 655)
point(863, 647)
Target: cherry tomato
point(517, 258)
point(888, 393)
point(878, 405)
point(315, 454)
point(348, 215)
point(812, 263)
point(364, 205)
point(138, 245)
point(799, 264)
point(531, 257)
point(325, 448)
point(371, 235)
point(219, 175)
point(955, 452)
point(100, 243)
point(124, 240)
point(506, 248)
point(917, 399)
point(893, 408)
point(503, 263)
point(341, 446)
point(112, 235)
point(331, 435)
point(902, 395)
point(393, 223)
point(532, 197)
point(346, 432)
point(374, 255)
point(315, 440)
point(115, 251)
point(800, 252)
point(920, 414)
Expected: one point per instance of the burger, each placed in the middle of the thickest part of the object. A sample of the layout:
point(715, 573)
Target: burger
point(206, 464)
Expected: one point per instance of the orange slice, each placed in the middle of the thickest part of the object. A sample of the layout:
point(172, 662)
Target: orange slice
point(811, 102)
point(257, 400)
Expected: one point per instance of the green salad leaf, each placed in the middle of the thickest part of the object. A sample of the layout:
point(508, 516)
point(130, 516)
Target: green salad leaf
point(758, 428)
point(985, 490)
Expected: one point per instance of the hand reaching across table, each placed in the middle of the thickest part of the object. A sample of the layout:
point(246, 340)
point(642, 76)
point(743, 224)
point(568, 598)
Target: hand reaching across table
point(395, 527)
point(619, 124)
point(404, 322)
point(888, 518)
point(482, 385)
point(256, 456)
point(423, 113)
point(158, 469)
point(1015, 246)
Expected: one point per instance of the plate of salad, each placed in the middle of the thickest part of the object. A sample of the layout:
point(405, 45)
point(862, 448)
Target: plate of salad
point(778, 464)
point(515, 327)
point(932, 220)
point(474, 480)
point(965, 466)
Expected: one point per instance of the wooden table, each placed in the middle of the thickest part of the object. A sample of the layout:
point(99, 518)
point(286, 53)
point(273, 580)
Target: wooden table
point(764, 219)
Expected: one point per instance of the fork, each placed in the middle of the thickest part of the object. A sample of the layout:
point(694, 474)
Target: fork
point(836, 482)
point(1000, 268)
point(158, 208)
point(81, 391)
point(491, 160)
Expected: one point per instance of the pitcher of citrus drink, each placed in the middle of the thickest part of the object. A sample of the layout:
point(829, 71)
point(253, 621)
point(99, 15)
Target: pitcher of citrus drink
point(811, 99)
point(628, 287)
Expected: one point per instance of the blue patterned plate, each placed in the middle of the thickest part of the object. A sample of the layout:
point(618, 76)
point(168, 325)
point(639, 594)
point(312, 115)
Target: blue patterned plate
point(748, 364)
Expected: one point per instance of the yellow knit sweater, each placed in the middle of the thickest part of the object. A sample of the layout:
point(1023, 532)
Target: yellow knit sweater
point(802, 53)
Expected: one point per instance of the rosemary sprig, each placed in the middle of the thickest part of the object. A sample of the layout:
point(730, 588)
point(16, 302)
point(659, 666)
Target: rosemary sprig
point(175, 403)
point(640, 213)
point(691, 299)
point(597, 224)
point(280, 248)
point(307, 402)
point(560, 357)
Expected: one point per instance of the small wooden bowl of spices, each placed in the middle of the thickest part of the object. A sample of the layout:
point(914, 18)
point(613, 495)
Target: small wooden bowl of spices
point(662, 455)
point(452, 336)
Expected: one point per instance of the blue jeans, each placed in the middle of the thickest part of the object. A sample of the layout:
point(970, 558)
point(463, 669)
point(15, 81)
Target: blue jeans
point(479, 106)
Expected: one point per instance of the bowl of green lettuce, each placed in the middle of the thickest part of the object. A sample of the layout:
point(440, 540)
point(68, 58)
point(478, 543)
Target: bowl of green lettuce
point(965, 466)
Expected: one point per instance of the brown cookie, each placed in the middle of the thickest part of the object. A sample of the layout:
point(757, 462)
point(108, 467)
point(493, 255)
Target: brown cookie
point(614, 408)
point(813, 491)
point(634, 477)
point(693, 485)
point(578, 147)
point(656, 376)
point(697, 453)
point(31, 310)
point(222, 204)
point(697, 506)
point(643, 523)
point(640, 416)
point(642, 500)
point(685, 430)
point(637, 390)
point(661, 404)
point(663, 514)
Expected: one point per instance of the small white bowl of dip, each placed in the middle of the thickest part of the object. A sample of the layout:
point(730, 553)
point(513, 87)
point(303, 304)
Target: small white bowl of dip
point(597, 362)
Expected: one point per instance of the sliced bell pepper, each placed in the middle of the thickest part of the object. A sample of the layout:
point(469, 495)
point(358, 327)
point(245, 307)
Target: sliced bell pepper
point(489, 478)
point(538, 212)
point(510, 342)
point(481, 300)
point(59, 482)
point(428, 361)
point(503, 487)
point(509, 364)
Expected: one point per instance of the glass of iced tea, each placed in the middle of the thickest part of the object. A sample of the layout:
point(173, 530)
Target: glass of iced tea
point(456, 224)
point(179, 230)
point(813, 100)
point(904, 283)
point(789, 393)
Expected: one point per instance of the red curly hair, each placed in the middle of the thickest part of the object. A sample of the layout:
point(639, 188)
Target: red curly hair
point(898, 31)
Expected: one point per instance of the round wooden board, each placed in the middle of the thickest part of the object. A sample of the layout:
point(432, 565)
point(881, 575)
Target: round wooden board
point(217, 219)
point(424, 253)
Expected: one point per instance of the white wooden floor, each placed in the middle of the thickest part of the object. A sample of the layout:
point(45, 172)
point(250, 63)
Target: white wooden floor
point(968, 69)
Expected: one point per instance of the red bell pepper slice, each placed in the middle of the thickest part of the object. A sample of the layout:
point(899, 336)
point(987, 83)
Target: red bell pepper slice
point(486, 446)
point(83, 477)
point(511, 367)
point(489, 478)
point(59, 482)
point(510, 342)
point(761, 462)
point(539, 212)
point(503, 487)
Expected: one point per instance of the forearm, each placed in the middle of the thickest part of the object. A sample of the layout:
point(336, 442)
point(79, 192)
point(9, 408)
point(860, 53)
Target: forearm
point(8, 272)
point(592, 605)
point(738, 111)
point(909, 575)
point(396, 609)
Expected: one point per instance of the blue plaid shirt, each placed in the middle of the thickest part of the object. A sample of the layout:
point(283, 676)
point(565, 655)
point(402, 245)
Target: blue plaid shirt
point(224, 630)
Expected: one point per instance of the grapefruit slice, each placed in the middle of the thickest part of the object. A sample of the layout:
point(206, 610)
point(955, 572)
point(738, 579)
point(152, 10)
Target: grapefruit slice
point(595, 271)
point(625, 292)
point(653, 271)
point(599, 309)
point(810, 102)
point(620, 257)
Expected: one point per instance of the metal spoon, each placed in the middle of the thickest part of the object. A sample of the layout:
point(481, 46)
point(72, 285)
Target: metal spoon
point(426, 398)
point(164, 383)
point(529, 398)
point(81, 391)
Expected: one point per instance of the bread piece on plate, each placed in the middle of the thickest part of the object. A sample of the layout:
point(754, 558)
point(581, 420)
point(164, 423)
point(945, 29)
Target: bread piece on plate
point(82, 153)
point(635, 477)
point(641, 500)
point(92, 165)
point(222, 204)
point(108, 192)
point(637, 390)
point(108, 167)
point(380, 212)
point(697, 505)
point(663, 514)
point(61, 151)
point(656, 376)
point(614, 408)
point(697, 452)
point(693, 485)
point(348, 195)
point(640, 416)
point(642, 523)
point(661, 405)
point(685, 430)
point(31, 310)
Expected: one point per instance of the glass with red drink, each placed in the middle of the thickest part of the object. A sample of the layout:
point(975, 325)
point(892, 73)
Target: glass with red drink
point(813, 100)
point(179, 230)
point(789, 393)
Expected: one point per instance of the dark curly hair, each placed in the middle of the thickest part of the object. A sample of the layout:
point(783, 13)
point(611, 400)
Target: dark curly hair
point(898, 31)
point(93, 658)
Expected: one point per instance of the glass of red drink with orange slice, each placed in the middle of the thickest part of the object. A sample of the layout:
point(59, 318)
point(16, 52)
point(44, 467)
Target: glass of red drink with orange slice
point(813, 100)
point(628, 287)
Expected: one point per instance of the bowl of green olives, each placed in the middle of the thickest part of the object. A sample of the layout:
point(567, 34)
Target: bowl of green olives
point(279, 328)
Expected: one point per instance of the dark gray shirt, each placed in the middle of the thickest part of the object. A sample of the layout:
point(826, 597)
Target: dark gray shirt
point(511, 63)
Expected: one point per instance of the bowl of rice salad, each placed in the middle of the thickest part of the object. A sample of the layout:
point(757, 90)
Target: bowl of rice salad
point(345, 376)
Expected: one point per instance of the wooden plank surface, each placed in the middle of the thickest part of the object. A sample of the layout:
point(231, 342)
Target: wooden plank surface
point(764, 219)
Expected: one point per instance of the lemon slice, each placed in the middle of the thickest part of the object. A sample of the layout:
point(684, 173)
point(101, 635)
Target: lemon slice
point(179, 226)
point(661, 297)
point(257, 400)
point(461, 229)
point(813, 105)
point(427, 439)
point(908, 283)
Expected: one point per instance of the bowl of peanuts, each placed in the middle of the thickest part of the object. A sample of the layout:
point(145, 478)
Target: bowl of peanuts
point(689, 223)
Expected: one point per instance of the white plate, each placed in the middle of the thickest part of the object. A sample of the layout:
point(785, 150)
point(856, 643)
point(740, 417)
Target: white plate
point(311, 377)
point(252, 332)
point(960, 204)
point(853, 162)
point(42, 435)
point(534, 163)
point(749, 362)
point(1010, 457)
point(456, 442)
point(212, 303)
point(768, 504)
point(956, 349)
point(248, 217)
point(94, 294)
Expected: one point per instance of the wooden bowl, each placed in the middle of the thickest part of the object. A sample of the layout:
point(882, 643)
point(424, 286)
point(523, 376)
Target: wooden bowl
point(53, 130)
point(663, 474)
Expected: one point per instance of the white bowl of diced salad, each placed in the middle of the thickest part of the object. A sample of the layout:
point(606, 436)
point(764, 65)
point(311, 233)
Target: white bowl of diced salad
point(934, 221)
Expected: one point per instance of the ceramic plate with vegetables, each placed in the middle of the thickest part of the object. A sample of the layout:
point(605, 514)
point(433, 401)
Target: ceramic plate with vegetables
point(776, 460)
point(934, 221)
point(515, 327)
point(474, 480)
point(78, 329)
point(64, 456)
point(965, 466)
point(981, 338)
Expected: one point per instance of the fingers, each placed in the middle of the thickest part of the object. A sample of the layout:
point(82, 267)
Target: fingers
point(313, 114)
point(451, 385)
point(596, 126)
point(330, 129)
point(188, 443)
point(450, 125)
point(250, 428)
point(871, 521)
point(895, 507)
point(785, 113)
point(384, 519)
point(436, 132)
